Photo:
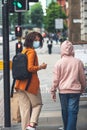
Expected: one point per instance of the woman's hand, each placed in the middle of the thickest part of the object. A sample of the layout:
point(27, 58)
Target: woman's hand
point(43, 66)
point(53, 95)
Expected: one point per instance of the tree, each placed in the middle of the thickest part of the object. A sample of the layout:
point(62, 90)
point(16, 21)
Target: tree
point(53, 12)
point(33, 16)
point(37, 14)
point(13, 19)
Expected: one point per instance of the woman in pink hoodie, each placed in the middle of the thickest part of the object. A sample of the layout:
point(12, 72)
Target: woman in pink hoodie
point(70, 80)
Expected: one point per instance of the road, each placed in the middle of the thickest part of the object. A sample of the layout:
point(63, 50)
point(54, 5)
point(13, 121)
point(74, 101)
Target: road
point(50, 109)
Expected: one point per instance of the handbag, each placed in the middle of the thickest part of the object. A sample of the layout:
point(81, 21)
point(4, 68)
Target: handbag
point(15, 111)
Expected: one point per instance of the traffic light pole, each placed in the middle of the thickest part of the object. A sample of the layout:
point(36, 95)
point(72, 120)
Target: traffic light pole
point(6, 70)
point(19, 24)
point(19, 18)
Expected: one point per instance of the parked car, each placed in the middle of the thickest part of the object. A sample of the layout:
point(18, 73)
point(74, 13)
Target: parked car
point(1, 39)
point(12, 36)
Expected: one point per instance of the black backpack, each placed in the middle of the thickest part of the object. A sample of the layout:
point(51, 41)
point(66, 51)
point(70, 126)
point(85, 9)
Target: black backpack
point(19, 69)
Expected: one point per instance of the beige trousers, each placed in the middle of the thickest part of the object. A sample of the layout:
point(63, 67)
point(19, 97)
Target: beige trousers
point(30, 107)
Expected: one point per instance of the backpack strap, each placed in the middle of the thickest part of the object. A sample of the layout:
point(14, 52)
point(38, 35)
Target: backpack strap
point(29, 77)
point(12, 89)
point(29, 80)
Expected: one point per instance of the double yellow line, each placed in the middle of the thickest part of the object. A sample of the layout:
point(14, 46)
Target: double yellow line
point(2, 65)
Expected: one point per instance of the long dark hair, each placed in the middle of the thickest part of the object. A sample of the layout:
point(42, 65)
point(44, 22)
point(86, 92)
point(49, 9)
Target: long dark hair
point(31, 37)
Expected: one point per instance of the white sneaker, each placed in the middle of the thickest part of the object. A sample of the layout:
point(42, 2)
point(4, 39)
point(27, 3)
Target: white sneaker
point(60, 128)
point(30, 128)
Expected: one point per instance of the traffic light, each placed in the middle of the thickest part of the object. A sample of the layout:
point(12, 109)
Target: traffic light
point(33, 0)
point(19, 47)
point(11, 6)
point(21, 5)
point(18, 31)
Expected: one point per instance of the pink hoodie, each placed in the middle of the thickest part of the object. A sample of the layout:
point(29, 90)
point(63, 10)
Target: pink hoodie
point(68, 72)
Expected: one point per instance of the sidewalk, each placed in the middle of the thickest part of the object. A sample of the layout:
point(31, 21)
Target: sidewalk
point(17, 127)
point(54, 122)
point(50, 117)
point(50, 122)
point(47, 121)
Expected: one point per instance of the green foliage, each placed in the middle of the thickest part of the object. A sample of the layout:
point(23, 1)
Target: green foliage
point(53, 12)
point(37, 14)
point(13, 19)
point(25, 18)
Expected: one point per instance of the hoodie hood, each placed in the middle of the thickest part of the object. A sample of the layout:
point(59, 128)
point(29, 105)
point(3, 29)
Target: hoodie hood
point(67, 49)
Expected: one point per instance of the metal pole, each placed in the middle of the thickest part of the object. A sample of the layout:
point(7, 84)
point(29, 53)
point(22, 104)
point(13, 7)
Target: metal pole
point(19, 18)
point(6, 70)
point(19, 23)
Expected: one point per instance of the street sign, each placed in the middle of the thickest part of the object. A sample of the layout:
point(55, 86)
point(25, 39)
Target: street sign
point(58, 23)
point(77, 20)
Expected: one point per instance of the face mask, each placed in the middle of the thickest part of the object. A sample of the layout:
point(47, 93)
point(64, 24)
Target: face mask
point(36, 44)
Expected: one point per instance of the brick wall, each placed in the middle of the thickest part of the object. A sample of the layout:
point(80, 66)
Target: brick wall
point(83, 5)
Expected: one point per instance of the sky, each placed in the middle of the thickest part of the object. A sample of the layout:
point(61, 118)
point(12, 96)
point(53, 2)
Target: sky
point(43, 3)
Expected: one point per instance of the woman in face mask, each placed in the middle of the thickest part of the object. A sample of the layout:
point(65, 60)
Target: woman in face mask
point(30, 101)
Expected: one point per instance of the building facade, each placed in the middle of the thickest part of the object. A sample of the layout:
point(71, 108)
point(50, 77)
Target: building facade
point(74, 21)
point(83, 5)
point(77, 18)
point(61, 2)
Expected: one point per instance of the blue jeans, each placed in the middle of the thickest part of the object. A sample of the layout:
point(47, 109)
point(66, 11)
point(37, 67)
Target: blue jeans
point(70, 108)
